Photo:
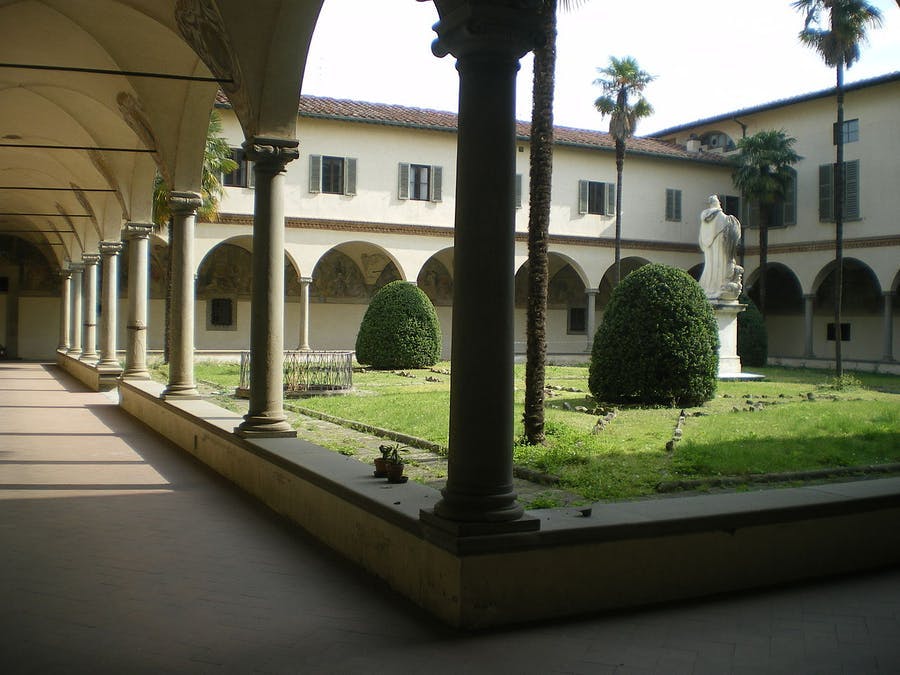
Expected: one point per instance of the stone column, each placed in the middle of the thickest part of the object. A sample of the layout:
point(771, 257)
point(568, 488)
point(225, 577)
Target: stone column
point(65, 309)
point(265, 416)
point(181, 385)
point(488, 38)
point(89, 310)
point(888, 331)
point(109, 360)
point(304, 314)
point(75, 325)
point(808, 300)
point(591, 317)
point(138, 237)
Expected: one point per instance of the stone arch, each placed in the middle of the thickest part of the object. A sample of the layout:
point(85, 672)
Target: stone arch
point(629, 265)
point(567, 282)
point(784, 292)
point(226, 269)
point(436, 278)
point(861, 292)
point(696, 271)
point(353, 272)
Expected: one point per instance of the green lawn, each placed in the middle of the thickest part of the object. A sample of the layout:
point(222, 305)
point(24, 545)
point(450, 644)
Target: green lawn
point(799, 421)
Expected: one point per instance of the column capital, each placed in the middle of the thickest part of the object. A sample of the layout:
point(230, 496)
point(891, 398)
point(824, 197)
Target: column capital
point(509, 28)
point(184, 202)
point(137, 230)
point(271, 154)
point(76, 267)
point(592, 291)
point(110, 248)
point(90, 259)
point(305, 280)
point(64, 273)
point(888, 293)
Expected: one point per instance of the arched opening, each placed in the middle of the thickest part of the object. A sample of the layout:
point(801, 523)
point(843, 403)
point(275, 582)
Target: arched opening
point(436, 280)
point(861, 330)
point(784, 309)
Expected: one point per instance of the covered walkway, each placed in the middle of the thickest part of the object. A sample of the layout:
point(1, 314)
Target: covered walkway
point(119, 553)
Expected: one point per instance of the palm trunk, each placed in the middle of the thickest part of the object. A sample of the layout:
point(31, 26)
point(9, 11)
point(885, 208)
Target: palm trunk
point(538, 227)
point(620, 162)
point(839, 223)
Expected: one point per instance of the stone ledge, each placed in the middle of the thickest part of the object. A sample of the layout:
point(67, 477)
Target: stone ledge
point(88, 373)
point(624, 554)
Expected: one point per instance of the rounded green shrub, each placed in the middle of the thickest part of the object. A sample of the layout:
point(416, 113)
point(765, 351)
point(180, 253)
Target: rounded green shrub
point(658, 343)
point(399, 330)
point(752, 339)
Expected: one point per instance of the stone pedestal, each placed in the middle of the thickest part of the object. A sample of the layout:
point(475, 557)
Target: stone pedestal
point(726, 318)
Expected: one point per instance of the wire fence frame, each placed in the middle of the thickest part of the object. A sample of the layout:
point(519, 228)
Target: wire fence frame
point(309, 371)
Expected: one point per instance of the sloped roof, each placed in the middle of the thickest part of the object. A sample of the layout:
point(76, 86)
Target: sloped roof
point(317, 107)
point(781, 103)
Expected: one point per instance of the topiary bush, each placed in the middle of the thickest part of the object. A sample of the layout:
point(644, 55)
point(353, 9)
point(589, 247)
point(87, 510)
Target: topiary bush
point(399, 330)
point(658, 343)
point(752, 339)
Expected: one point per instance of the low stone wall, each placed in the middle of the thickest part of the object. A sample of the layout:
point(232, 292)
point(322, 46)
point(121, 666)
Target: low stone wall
point(621, 555)
point(86, 372)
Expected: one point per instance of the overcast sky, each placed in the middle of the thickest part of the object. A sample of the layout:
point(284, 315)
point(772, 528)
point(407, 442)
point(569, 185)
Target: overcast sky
point(708, 56)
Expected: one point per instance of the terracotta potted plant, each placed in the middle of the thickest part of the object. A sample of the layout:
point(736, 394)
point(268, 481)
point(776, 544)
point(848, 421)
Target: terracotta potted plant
point(381, 463)
point(395, 466)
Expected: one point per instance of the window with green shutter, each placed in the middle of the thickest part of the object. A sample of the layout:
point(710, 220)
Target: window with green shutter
point(596, 198)
point(332, 175)
point(852, 207)
point(673, 205)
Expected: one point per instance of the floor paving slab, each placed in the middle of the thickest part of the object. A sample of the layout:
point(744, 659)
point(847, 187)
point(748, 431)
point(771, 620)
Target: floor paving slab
point(119, 554)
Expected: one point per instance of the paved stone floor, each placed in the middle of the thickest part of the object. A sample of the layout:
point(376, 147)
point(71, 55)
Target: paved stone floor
point(118, 554)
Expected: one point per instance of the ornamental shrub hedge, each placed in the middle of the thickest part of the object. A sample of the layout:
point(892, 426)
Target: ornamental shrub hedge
point(752, 339)
point(399, 330)
point(658, 343)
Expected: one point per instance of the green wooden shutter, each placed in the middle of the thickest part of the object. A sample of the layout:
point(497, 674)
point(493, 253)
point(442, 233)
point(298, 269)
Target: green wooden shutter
point(403, 182)
point(582, 196)
point(610, 199)
point(851, 189)
point(315, 173)
point(826, 192)
point(437, 183)
point(518, 191)
point(349, 176)
point(790, 201)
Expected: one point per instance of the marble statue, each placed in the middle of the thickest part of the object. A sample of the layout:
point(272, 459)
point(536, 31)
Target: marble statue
point(719, 237)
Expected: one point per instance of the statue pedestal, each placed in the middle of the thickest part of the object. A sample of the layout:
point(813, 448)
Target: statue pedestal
point(726, 317)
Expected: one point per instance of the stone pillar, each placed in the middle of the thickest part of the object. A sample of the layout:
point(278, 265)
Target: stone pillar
point(591, 317)
point(89, 310)
point(75, 325)
point(265, 416)
point(304, 314)
point(65, 309)
point(138, 237)
point(888, 331)
point(808, 301)
point(488, 38)
point(109, 360)
point(181, 385)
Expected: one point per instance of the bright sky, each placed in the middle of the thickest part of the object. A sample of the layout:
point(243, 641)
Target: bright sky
point(708, 56)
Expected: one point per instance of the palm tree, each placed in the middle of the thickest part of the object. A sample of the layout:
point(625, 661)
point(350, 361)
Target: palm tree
point(763, 174)
point(540, 181)
point(835, 29)
point(217, 160)
point(622, 79)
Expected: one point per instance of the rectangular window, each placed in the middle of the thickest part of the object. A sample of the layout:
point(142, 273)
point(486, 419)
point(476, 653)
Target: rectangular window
point(518, 191)
point(673, 205)
point(596, 198)
point(851, 131)
point(242, 176)
point(577, 323)
point(845, 332)
point(420, 182)
point(221, 314)
point(827, 180)
point(790, 201)
point(332, 175)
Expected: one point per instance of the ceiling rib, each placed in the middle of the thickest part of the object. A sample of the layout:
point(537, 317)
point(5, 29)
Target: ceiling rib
point(120, 73)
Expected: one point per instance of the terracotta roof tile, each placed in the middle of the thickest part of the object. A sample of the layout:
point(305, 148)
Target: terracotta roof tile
point(421, 118)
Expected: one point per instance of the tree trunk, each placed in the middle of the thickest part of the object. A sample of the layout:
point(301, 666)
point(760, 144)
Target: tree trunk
point(764, 220)
point(839, 223)
point(620, 162)
point(538, 227)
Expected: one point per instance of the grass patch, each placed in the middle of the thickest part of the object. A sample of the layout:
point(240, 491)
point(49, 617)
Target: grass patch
point(794, 420)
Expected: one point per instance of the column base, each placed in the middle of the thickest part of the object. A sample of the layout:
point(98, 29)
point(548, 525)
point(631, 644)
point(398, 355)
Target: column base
point(111, 367)
point(262, 426)
point(135, 374)
point(89, 358)
point(180, 393)
point(456, 528)
point(478, 509)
